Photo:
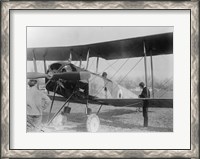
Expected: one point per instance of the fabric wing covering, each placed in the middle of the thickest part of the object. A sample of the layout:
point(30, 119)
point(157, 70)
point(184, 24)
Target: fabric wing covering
point(160, 44)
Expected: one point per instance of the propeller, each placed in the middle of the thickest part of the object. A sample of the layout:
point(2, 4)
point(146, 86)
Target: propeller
point(35, 75)
point(65, 75)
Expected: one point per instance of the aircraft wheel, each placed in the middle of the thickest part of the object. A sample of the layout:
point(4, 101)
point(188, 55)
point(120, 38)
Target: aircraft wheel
point(93, 123)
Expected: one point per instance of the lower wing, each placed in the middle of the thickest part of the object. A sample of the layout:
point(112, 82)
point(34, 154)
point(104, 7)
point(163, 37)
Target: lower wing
point(138, 102)
point(160, 103)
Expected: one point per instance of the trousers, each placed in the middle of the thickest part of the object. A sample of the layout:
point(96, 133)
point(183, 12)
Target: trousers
point(145, 113)
point(33, 123)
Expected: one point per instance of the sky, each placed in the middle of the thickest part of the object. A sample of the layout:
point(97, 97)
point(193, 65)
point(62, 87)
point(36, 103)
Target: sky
point(68, 36)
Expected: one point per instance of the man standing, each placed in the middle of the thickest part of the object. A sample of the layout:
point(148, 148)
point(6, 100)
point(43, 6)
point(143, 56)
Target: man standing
point(37, 102)
point(145, 94)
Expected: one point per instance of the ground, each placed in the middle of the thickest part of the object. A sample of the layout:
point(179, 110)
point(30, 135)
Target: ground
point(112, 119)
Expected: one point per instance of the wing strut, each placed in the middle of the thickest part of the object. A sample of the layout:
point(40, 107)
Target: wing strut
point(80, 63)
point(145, 66)
point(45, 66)
point(97, 65)
point(152, 75)
point(70, 57)
point(88, 56)
point(145, 103)
point(34, 62)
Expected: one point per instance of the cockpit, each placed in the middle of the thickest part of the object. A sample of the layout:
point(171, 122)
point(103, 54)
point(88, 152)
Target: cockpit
point(59, 67)
point(66, 68)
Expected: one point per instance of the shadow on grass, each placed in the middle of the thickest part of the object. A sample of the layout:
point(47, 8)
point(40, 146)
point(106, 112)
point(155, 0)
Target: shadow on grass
point(111, 118)
point(118, 124)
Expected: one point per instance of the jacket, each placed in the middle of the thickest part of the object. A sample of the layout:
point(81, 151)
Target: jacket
point(37, 101)
point(144, 93)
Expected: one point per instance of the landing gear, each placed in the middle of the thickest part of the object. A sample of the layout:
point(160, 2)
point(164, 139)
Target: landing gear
point(88, 111)
point(93, 123)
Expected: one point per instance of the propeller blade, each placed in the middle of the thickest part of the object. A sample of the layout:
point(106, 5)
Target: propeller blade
point(72, 76)
point(35, 75)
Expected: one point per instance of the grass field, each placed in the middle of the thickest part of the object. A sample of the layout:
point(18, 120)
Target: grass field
point(113, 119)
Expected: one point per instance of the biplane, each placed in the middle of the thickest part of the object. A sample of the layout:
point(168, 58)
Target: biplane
point(70, 83)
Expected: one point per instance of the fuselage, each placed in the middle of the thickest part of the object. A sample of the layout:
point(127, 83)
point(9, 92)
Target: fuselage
point(96, 87)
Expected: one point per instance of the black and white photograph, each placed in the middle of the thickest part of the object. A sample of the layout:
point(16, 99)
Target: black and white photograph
point(99, 79)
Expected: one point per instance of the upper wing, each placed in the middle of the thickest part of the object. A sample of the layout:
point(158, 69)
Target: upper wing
point(159, 44)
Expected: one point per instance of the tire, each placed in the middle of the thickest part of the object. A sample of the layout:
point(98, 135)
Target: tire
point(93, 123)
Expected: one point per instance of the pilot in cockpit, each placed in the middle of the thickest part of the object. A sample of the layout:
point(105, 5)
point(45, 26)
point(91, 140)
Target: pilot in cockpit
point(104, 75)
point(67, 68)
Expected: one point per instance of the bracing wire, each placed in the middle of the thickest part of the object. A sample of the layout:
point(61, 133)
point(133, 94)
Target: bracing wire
point(119, 68)
point(166, 90)
point(110, 65)
point(112, 76)
point(103, 71)
point(163, 93)
point(163, 84)
point(130, 70)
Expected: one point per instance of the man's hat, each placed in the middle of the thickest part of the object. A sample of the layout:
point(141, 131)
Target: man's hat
point(141, 84)
point(32, 82)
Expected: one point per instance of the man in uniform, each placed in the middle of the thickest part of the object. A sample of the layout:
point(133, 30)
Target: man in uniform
point(104, 75)
point(144, 94)
point(37, 102)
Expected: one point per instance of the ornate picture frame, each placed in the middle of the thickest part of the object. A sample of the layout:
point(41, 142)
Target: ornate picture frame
point(6, 9)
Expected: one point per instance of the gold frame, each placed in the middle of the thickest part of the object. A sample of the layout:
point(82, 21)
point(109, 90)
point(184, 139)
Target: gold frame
point(193, 6)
